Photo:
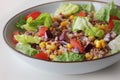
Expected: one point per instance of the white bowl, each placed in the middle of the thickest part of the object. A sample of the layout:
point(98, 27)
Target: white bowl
point(57, 67)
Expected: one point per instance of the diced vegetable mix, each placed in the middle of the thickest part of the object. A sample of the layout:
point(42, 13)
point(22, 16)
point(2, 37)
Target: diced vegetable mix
point(76, 32)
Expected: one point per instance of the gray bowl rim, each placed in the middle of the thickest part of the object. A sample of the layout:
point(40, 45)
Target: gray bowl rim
point(6, 41)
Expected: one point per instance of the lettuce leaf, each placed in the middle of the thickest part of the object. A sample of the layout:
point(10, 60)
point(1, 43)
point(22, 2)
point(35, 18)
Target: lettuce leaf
point(115, 44)
point(27, 39)
point(70, 57)
point(116, 28)
point(87, 7)
point(32, 25)
point(26, 49)
point(81, 23)
point(21, 22)
point(67, 9)
point(118, 13)
point(28, 27)
point(44, 19)
point(94, 31)
point(104, 13)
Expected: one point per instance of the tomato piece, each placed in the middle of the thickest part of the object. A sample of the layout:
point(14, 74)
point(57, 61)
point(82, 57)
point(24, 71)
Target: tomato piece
point(41, 55)
point(34, 15)
point(42, 31)
point(77, 44)
point(13, 38)
point(111, 23)
point(82, 14)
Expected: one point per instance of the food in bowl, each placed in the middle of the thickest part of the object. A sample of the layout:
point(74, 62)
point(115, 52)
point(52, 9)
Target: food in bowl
point(75, 32)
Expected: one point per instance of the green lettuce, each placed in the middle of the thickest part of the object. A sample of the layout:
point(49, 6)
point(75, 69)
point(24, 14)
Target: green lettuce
point(116, 28)
point(104, 13)
point(115, 44)
point(81, 23)
point(70, 57)
point(27, 38)
point(94, 31)
point(44, 19)
point(32, 25)
point(118, 13)
point(28, 27)
point(26, 49)
point(67, 9)
point(21, 22)
point(87, 7)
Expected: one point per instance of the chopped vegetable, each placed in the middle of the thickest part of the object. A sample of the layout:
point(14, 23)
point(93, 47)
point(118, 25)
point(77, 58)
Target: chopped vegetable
point(48, 34)
point(77, 44)
point(33, 15)
point(28, 27)
point(88, 56)
point(63, 35)
point(104, 13)
point(67, 9)
point(116, 28)
point(69, 57)
point(88, 47)
point(26, 49)
point(111, 21)
point(87, 7)
point(13, 38)
point(82, 14)
point(115, 44)
point(42, 56)
point(94, 31)
point(99, 43)
point(21, 22)
point(42, 31)
point(81, 23)
point(27, 39)
point(44, 19)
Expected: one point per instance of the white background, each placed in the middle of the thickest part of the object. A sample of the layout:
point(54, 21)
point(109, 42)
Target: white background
point(12, 68)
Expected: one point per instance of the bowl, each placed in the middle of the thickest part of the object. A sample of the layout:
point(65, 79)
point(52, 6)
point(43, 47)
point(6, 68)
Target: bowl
point(57, 67)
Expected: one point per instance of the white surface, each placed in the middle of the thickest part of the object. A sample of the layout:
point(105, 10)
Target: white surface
point(12, 68)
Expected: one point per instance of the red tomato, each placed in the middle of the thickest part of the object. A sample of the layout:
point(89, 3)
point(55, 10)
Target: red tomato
point(34, 15)
point(42, 55)
point(82, 14)
point(42, 31)
point(77, 44)
point(13, 38)
point(111, 23)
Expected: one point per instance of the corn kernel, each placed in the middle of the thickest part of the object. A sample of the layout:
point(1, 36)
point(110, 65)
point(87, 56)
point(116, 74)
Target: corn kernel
point(64, 24)
point(52, 56)
point(97, 44)
point(88, 56)
point(53, 47)
point(103, 27)
point(95, 57)
point(69, 45)
point(71, 17)
point(103, 44)
point(42, 45)
point(59, 52)
point(91, 38)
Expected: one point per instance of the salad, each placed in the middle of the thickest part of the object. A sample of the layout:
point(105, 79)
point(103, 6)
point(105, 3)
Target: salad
point(75, 32)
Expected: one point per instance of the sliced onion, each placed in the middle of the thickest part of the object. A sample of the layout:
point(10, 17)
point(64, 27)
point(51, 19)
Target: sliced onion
point(63, 35)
